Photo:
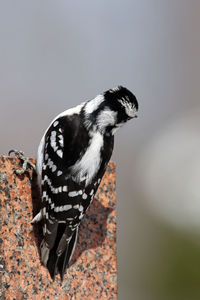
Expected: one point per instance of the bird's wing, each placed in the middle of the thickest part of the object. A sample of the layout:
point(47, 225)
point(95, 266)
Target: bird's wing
point(61, 196)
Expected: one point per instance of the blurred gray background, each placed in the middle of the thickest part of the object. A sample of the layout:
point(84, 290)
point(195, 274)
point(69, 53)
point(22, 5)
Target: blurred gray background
point(55, 54)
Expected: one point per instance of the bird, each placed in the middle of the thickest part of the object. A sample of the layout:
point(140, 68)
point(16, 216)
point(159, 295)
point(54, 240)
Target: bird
point(72, 158)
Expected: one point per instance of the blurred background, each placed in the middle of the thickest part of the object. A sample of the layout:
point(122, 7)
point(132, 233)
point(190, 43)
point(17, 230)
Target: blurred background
point(55, 54)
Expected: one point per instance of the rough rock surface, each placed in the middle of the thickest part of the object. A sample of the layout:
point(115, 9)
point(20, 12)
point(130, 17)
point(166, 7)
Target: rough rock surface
point(93, 271)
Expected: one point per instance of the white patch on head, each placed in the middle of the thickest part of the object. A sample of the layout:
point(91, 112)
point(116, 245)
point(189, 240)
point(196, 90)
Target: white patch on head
point(88, 165)
point(59, 173)
point(129, 107)
point(106, 118)
point(99, 180)
point(84, 196)
point(93, 104)
point(60, 153)
point(92, 192)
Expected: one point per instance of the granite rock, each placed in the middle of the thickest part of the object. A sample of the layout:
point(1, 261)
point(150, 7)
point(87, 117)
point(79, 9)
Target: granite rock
point(92, 273)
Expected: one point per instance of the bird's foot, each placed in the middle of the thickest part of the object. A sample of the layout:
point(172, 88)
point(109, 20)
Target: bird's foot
point(26, 162)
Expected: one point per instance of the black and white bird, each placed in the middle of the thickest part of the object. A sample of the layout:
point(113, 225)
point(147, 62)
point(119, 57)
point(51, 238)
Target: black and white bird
point(72, 158)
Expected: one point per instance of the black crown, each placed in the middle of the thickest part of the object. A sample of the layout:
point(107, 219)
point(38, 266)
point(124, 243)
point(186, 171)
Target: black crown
point(121, 93)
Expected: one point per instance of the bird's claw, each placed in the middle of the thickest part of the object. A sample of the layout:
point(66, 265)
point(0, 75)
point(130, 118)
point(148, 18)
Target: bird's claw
point(24, 159)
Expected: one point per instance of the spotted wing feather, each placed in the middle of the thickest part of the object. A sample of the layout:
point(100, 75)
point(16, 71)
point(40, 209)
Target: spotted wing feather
point(62, 197)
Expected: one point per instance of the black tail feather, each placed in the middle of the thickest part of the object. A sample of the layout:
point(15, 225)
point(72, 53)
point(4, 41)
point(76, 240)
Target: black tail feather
point(66, 256)
point(53, 257)
point(52, 263)
point(62, 263)
point(59, 263)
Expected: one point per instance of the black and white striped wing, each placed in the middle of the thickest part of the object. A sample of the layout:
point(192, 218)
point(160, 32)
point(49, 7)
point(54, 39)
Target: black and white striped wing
point(62, 202)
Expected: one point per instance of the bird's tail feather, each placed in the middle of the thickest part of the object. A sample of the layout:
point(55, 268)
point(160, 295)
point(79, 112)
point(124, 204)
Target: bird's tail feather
point(64, 259)
point(52, 263)
point(60, 262)
point(53, 258)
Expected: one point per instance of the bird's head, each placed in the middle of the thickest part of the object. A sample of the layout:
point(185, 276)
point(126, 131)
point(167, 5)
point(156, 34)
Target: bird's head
point(112, 109)
point(123, 102)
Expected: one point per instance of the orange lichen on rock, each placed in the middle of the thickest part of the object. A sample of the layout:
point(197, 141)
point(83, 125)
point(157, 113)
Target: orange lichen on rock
point(92, 273)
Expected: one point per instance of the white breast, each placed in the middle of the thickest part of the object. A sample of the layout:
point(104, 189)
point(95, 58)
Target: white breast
point(87, 167)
